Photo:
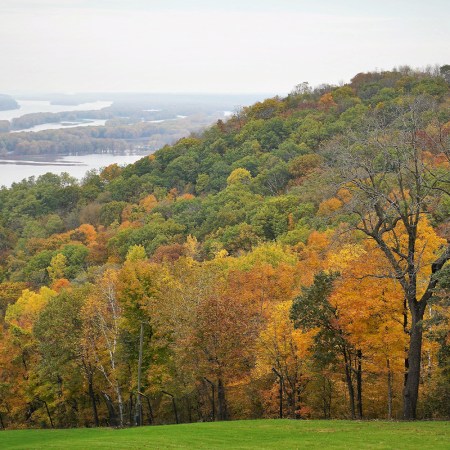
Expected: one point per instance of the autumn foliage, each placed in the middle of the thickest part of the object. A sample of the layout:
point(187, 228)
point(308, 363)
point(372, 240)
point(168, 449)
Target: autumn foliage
point(271, 267)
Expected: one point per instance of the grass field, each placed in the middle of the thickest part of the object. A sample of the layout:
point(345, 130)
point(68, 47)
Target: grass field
point(251, 434)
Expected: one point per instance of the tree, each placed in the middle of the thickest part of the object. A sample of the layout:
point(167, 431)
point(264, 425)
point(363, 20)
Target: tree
point(223, 332)
point(313, 310)
point(64, 361)
point(57, 267)
point(384, 167)
point(9, 292)
point(239, 176)
point(445, 72)
point(19, 356)
point(371, 313)
point(284, 350)
point(101, 316)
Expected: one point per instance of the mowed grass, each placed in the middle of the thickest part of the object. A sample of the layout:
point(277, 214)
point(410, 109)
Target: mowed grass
point(249, 434)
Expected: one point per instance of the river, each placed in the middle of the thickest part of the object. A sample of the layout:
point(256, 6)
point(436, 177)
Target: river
point(41, 106)
point(14, 170)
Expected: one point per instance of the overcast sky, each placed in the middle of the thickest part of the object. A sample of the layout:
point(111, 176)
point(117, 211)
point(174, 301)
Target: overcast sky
point(212, 46)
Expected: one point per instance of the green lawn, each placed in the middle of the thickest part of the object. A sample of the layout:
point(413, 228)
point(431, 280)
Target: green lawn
point(256, 434)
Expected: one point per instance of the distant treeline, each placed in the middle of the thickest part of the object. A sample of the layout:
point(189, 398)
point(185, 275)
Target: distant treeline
point(112, 138)
point(123, 114)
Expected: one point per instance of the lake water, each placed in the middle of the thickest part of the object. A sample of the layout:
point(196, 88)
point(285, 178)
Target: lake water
point(13, 170)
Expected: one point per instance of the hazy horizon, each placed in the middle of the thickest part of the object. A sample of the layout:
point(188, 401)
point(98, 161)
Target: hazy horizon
point(202, 47)
point(118, 93)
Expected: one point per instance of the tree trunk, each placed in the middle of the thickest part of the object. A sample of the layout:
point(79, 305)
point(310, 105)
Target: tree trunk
point(351, 391)
point(150, 411)
point(221, 400)
point(298, 403)
point(411, 390)
point(120, 403)
point(406, 331)
point(326, 396)
point(291, 403)
point(174, 405)
point(280, 391)
point(92, 397)
point(175, 410)
point(359, 384)
point(48, 412)
point(198, 406)
point(139, 419)
point(189, 409)
point(389, 386)
point(213, 396)
point(111, 412)
point(130, 409)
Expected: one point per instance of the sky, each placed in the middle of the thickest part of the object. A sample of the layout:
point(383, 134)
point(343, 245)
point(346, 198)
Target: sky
point(228, 46)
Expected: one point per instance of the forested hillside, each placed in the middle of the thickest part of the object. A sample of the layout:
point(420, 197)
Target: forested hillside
point(291, 261)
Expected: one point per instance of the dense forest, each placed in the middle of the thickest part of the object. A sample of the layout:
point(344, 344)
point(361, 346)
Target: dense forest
point(291, 261)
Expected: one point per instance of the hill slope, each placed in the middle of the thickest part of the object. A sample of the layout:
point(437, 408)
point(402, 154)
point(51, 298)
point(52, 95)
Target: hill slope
point(252, 256)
